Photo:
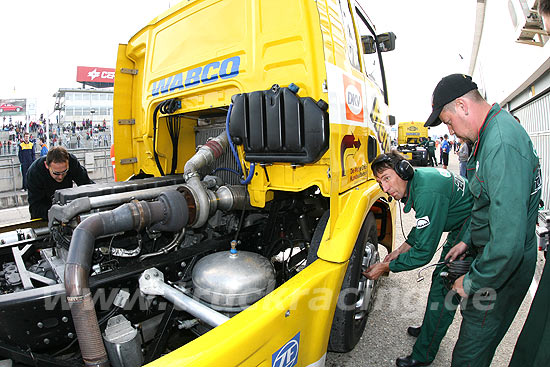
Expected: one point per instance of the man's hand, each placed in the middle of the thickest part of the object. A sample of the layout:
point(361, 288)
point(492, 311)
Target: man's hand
point(395, 253)
point(373, 272)
point(458, 287)
point(392, 256)
point(458, 250)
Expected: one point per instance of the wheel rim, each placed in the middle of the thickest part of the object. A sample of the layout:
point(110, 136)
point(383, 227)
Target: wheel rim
point(366, 287)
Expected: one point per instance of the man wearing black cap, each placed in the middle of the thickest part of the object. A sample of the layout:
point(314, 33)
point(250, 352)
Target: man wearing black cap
point(504, 179)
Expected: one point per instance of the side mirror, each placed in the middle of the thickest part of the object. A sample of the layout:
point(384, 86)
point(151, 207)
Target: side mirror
point(386, 41)
point(369, 46)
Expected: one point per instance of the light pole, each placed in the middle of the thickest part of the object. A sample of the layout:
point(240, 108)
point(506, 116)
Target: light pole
point(92, 111)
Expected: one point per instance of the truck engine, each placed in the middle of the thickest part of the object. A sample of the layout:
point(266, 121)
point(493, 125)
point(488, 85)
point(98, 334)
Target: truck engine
point(136, 269)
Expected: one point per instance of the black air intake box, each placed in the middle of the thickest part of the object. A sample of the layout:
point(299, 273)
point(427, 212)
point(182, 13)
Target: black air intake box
point(276, 125)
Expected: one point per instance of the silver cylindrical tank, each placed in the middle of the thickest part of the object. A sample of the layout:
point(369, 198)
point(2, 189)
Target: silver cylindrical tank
point(233, 281)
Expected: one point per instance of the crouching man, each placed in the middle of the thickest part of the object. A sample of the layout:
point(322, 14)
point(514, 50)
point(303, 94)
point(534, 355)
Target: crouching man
point(442, 203)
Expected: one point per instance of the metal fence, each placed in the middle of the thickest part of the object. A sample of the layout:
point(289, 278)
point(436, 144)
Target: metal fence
point(99, 170)
point(535, 117)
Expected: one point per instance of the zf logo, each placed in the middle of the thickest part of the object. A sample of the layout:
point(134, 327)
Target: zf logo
point(287, 356)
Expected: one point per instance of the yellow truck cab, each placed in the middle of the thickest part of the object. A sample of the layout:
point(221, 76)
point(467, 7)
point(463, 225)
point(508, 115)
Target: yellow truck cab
point(245, 208)
point(410, 135)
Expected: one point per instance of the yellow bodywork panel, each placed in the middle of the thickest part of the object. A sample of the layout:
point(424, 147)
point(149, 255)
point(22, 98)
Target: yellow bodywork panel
point(202, 53)
point(305, 305)
point(228, 58)
point(248, 48)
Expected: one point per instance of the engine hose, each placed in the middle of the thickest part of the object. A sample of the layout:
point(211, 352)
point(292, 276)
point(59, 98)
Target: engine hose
point(250, 174)
point(234, 151)
point(169, 213)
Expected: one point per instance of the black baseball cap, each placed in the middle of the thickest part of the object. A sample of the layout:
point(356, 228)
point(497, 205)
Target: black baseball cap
point(447, 90)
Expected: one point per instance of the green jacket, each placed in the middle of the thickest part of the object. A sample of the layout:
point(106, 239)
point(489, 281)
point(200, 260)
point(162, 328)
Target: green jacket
point(505, 180)
point(442, 203)
point(429, 145)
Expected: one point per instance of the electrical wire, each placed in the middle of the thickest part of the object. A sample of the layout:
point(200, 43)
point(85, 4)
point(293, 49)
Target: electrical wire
point(174, 126)
point(401, 220)
point(155, 154)
point(234, 151)
point(225, 169)
point(166, 108)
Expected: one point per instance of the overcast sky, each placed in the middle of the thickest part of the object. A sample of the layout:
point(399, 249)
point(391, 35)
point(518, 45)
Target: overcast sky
point(44, 42)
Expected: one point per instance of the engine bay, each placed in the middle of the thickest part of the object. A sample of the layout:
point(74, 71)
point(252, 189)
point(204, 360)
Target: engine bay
point(162, 260)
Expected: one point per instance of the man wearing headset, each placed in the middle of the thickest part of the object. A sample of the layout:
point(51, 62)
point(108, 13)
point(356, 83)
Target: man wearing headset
point(442, 203)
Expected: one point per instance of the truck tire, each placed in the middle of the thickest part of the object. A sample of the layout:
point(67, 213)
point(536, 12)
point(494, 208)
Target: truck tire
point(357, 292)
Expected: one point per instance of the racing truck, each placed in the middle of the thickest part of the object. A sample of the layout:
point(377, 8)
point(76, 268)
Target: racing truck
point(410, 135)
point(244, 208)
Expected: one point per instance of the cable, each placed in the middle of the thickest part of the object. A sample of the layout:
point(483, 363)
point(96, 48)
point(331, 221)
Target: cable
point(235, 155)
point(155, 155)
point(166, 108)
point(455, 269)
point(174, 125)
point(419, 277)
point(401, 220)
point(225, 169)
point(234, 151)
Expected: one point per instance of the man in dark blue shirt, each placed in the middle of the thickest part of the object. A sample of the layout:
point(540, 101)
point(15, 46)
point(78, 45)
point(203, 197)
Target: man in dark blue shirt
point(26, 157)
point(57, 170)
point(445, 148)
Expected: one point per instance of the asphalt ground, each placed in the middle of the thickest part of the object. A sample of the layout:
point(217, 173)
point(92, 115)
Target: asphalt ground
point(400, 303)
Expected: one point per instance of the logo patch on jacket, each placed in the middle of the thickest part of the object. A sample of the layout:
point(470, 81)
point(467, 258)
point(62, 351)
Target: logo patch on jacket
point(443, 172)
point(422, 222)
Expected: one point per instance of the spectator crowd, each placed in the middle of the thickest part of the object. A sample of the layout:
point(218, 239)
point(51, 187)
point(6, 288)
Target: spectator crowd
point(75, 135)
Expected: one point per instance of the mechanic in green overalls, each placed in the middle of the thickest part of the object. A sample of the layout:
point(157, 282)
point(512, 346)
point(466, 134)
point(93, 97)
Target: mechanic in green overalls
point(429, 144)
point(504, 179)
point(532, 347)
point(442, 203)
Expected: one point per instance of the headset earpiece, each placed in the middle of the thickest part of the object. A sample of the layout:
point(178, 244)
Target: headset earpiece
point(404, 170)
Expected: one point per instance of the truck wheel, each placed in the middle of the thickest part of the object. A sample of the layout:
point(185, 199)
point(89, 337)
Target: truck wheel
point(357, 293)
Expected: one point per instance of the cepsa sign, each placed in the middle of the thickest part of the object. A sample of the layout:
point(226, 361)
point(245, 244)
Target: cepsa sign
point(87, 74)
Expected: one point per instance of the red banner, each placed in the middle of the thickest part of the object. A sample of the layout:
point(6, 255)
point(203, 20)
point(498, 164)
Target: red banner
point(87, 74)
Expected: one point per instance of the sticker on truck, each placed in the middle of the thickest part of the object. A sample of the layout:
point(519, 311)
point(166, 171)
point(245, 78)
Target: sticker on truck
point(204, 74)
point(287, 355)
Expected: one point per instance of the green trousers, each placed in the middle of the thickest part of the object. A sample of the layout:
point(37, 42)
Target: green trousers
point(487, 317)
point(533, 346)
point(439, 314)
